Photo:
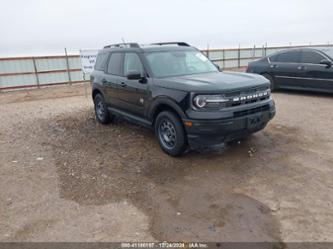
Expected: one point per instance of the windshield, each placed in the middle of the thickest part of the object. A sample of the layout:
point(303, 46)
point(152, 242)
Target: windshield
point(328, 51)
point(176, 63)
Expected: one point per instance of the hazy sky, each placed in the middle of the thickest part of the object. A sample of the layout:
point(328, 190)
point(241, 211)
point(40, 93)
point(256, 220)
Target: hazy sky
point(34, 27)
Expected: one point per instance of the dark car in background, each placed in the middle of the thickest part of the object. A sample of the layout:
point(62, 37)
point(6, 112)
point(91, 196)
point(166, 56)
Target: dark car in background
point(299, 69)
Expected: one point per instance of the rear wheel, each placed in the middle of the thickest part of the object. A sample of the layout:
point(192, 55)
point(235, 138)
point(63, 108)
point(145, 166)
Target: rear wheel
point(102, 114)
point(170, 133)
point(271, 80)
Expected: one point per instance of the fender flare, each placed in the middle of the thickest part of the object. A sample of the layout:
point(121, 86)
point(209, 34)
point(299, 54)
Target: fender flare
point(166, 102)
point(96, 87)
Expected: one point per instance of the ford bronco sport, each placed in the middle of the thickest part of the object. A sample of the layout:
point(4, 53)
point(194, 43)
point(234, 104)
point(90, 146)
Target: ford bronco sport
point(176, 90)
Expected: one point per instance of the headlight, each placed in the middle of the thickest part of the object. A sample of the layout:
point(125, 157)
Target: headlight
point(220, 101)
point(201, 101)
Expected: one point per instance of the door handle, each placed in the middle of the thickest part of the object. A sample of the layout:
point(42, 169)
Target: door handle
point(123, 84)
point(273, 66)
point(104, 81)
point(301, 67)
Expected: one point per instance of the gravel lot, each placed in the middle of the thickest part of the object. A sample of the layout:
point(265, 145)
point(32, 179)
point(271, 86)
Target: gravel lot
point(63, 177)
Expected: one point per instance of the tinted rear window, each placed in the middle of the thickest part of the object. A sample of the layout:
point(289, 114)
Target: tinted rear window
point(101, 61)
point(288, 57)
point(115, 64)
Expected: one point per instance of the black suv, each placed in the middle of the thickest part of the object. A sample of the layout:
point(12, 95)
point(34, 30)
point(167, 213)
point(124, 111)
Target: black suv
point(176, 90)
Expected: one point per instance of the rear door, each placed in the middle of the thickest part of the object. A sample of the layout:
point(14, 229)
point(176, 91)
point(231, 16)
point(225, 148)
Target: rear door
point(112, 79)
point(284, 67)
point(134, 93)
point(313, 74)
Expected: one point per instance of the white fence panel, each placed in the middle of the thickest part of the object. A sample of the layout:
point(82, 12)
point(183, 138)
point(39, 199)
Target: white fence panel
point(38, 71)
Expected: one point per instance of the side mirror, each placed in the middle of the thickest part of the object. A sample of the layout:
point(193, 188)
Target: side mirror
point(134, 75)
point(326, 62)
point(217, 66)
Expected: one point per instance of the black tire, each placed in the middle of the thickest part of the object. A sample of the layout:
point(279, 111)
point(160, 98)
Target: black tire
point(271, 80)
point(102, 114)
point(170, 133)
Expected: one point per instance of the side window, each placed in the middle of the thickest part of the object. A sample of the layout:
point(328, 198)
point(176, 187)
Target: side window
point(289, 57)
point(132, 63)
point(311, 57)
point(101, 61)
point(114, 66)
point(273, 58)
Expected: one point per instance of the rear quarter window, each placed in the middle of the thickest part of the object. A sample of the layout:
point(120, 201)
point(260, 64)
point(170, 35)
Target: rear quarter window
point(273, 58)
point(101, 61)
point(115, 64)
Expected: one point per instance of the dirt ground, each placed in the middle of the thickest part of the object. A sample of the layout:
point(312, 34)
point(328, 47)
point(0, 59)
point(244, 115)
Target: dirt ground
point(64, 177)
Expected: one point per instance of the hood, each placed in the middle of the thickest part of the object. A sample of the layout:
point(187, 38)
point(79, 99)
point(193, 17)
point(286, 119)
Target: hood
point(213, 82)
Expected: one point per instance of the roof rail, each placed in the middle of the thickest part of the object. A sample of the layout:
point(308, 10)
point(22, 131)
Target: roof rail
point(172, 43)
point(123, 45)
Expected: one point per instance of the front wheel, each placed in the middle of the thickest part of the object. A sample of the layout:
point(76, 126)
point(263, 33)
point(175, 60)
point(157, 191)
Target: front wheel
point(170, 133)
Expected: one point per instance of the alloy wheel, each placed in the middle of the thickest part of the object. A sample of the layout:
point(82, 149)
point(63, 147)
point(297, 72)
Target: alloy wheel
point(167, 134)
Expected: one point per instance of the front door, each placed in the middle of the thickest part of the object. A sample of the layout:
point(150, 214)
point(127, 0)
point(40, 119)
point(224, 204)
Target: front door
point(313, 74)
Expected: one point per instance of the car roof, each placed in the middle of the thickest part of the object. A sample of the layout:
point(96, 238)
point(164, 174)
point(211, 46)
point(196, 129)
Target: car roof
point(319, 49)
point(149, 49)
point(328, 51)
point(325, 48)
point(156, 47)
point(322, 49)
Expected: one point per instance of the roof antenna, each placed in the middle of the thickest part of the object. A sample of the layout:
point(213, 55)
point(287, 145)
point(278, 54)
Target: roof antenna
point(123, 40)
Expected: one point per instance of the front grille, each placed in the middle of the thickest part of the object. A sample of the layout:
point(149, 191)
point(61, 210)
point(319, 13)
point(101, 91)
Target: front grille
point(246, 91)
point(239, 98)
point(251, 111)
point(248, 96)
point(238, 103)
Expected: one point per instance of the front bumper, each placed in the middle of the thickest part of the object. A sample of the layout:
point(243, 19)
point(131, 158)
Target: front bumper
point(208, 133)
